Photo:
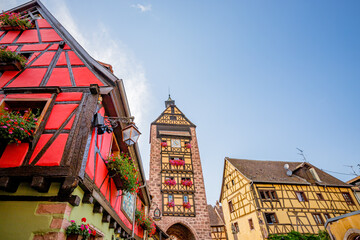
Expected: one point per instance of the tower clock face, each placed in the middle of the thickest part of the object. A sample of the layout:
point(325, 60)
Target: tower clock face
point(175, 143)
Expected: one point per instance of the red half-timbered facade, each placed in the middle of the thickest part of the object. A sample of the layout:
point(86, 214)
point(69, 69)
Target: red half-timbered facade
point(63, 163)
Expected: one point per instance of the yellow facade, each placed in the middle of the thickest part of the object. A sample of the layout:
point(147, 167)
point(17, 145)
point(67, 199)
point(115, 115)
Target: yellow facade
point(345, 227)
point(218, 233)
point(255, 210)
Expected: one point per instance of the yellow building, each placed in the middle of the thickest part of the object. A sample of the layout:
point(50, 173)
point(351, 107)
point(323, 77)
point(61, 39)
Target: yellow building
point(355, 182)
point(272, 197)
point(344, 227)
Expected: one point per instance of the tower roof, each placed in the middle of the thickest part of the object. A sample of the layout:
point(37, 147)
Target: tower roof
point(172, 116)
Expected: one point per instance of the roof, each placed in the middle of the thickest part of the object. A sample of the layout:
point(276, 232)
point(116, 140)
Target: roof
point(354, 180)
point(274, 172)
point(215, 219)
point(341, 217)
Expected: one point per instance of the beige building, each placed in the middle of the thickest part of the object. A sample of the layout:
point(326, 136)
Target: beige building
point(260, 198)
point(355, 182)
point(217, 222)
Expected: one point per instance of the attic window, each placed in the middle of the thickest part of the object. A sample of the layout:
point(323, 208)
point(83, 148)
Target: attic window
point(314, 174)
point(173, 118)
point(301, 196)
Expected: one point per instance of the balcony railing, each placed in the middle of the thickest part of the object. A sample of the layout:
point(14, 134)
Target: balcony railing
point(177, 188)
point(176, 150)
point(179, 210)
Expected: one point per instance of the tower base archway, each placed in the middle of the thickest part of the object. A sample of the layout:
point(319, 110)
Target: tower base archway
point(179, 231)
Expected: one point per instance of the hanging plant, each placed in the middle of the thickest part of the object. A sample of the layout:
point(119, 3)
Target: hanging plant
point(187, 183)
point(10, 60)
point(143, 221)
point(188, 145)
point(186, 205)
point(122, 170)
point(16, 126)
point(13, 21)
point(177, 162)
point(152, 230)
point(171, 204)
point(164, 144)
point(170, 182)
point(79, 231)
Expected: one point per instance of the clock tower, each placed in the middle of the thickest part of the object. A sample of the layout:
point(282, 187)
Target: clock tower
point(176, 180)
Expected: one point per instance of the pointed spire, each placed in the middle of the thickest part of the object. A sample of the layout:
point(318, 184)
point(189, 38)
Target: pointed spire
point(169, 102)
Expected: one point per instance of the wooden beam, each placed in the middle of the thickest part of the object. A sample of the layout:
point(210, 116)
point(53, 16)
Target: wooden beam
point(106, 217)
point(98, 208)
point(74, 200)
point(68, 186)
point(113, 223)
point(9, 184)
point(40, 184)
point(88, 198)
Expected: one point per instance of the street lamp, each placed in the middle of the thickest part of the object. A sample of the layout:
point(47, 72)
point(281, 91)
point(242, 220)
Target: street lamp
point(130, 134)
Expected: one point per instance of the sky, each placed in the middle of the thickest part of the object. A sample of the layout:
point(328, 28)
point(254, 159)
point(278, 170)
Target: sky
point(258, 78)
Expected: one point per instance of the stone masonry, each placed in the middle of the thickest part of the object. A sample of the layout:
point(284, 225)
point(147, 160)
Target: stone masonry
point(198, 225)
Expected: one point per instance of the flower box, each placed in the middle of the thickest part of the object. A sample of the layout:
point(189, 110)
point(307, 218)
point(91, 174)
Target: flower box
point(177, 162)
point(10, 66)
point(188, 145)
point(170, 182)
point(171, 204)
point(164, 144)
point(123, 172)
point(74, 237)
point(10, 28)
point(187, 183)
point(187, 205)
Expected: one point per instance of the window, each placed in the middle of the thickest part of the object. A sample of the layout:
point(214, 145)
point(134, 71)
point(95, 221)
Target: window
point(236, 225)
point(271, 218)
point(173, 118)
point(327, 216)
point(170, 198)
point(318, 219)
point(251, 224)
point(348, 199)
point(231, 207)
point(172, 110)
point(186, 199)
point(268, 195)
point(227, 186)
point(233, 182)
point(301, 196)
point(320, 196)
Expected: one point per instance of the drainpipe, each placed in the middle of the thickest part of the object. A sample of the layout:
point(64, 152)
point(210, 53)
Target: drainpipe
point(133, 223)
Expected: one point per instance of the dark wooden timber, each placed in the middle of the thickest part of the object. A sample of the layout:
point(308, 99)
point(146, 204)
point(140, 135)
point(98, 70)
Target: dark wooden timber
point(40, 184)
point(26, 171)
point(9, 184)
point(8, 90)
point(74, 200)
point(113, 223)
point(94, 89)
point(68, 186)
point(98, 208)
point(88, 198)
point(106, 217)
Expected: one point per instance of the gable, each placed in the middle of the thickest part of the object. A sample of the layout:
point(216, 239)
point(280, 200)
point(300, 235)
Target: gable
point(54, 57)
point(173, 116)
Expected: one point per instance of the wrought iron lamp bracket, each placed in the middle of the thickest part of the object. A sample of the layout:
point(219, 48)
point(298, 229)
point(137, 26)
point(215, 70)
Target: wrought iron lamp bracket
point(114, 122)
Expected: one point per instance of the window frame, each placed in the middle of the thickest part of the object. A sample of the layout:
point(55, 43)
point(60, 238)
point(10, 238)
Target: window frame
point(320, 197)
point(251, 224)
point(47, 101)
point(318, 218)
point(302, 195)
point(348, 199)
point(267, 195)
point(271, 214)
point(231, 206)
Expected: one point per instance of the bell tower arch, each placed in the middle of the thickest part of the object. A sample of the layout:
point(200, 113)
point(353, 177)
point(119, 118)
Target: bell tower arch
point(176, 179)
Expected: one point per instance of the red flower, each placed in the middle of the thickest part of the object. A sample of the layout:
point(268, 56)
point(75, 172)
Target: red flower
point(94, 232)
point(83, 219)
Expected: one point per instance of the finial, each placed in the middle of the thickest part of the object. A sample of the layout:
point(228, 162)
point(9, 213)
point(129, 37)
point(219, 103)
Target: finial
point(169, 102)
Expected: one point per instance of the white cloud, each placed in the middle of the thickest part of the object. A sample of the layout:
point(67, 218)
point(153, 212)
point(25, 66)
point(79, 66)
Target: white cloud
point(142, 8)
point(103, 47)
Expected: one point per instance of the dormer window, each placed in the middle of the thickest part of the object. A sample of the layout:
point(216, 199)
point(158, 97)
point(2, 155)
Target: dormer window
point(314, 174)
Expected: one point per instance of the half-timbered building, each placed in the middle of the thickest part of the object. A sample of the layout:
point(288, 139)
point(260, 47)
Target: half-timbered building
point(217, 223)
point(355, 182)
point(176, 179)
point(59, 173)
point(260, 198)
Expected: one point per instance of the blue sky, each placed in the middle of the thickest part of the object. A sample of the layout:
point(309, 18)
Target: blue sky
point(258, 78)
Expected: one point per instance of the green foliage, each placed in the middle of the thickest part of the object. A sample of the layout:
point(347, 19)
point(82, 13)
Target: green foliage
point(293, 235)
point(17, 126)
point(124, 166)
point(9, 56)
point(15, 20)
point(145, 222)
